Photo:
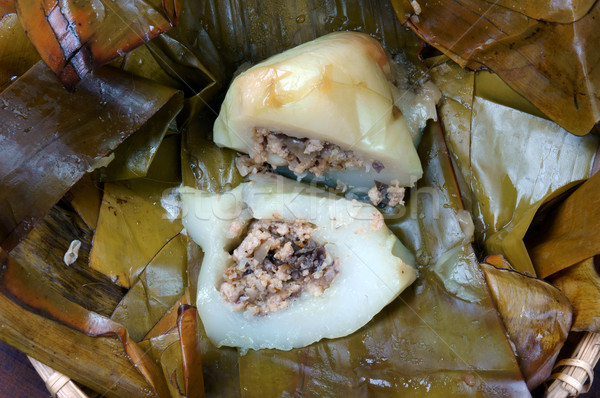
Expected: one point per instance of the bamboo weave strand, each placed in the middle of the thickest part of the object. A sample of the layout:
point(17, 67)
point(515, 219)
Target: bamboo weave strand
point(575, 376)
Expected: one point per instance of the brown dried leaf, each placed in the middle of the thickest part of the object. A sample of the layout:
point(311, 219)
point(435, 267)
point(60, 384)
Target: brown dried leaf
point(537, 317)
point(51, 137)
point(581, 284)
point(75, 37)
point(553, 65)
point(569, 233)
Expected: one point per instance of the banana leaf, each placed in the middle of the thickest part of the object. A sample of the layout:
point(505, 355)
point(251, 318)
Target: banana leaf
point(72, 334)
point(134, 157)
point(519, 161)
point(45, 247)
point(253, 30)
point(74, 38)
point(52, 138)
point(158, 287)
point(569, 232)
point(17, 54)
point(415, 345)
point(560, 11)
point(537, 317)
point(132, 227)
point(6, 7)
point(178, 352)
point(581, 284)
point(551, 64)
point(86, 197)
point(204, 165)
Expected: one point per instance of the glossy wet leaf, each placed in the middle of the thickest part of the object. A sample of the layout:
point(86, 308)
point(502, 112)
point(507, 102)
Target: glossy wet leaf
point(51, 137)
point(414, 346)
point(537, 317)
point(581, 284)
point(74, 340)
point(43, 251)
point(455, 109)
point(204, 165)
point(569, 233)
point(178, 353)
point(17, 54)
point(563, 11)
point(563, 83)
point(158, 287)
point(74, 38)
point(517, 162)
point(134, 157)
point(254, 30)
point(86, 197)
point(132, 228)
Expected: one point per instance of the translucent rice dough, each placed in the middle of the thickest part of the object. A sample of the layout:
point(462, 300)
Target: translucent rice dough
point(373, 266)
point(335, 90)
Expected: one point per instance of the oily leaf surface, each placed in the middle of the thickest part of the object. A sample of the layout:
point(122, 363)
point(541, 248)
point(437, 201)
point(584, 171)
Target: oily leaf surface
point(537, 317)
point(581, 284)
point(75, 37)
point(51, 137)
point(132, 228)
point(551, 64)
point(568, 234)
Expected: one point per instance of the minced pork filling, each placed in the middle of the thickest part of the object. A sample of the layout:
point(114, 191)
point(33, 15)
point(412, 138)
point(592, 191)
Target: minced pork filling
point(304, 154)
point(276, 262)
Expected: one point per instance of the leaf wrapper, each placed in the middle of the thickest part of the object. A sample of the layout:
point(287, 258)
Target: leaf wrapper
point(71, 334)
point(569, 233)
point(132, 228)
point(581, 284)
point(414, 345)
point(17, 54)
point(74, 38)
point(563, 83)
point(537, 317)
point(46, 149)
point(159, 286)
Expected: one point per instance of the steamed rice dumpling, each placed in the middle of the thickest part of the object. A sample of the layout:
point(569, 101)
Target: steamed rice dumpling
point(287, 264)
point(327, 108)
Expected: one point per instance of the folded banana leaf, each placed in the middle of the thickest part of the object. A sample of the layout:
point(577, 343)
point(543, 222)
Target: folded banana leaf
point(52, 137)
point(74, 38)
point(415, 346)
point(158, 287)
point(552, 64)
point(178, 352)
point(17, 54)
point(537, 317)
point(132, 227)
point(250, 31)
point(72, 334)
point(581, 284)
point(86, 197)
point(569, 233)
point(204, 165)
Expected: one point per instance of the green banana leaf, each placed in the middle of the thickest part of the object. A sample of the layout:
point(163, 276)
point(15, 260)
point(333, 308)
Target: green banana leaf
point(414, 346)
point(132, 227)
point(511, 161)
point(38, 167)
point(552, 64)
point(158, 287)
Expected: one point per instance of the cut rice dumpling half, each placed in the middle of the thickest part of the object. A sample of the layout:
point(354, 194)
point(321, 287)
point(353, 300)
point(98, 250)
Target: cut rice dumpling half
point(327, 108)
point(287, 264)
